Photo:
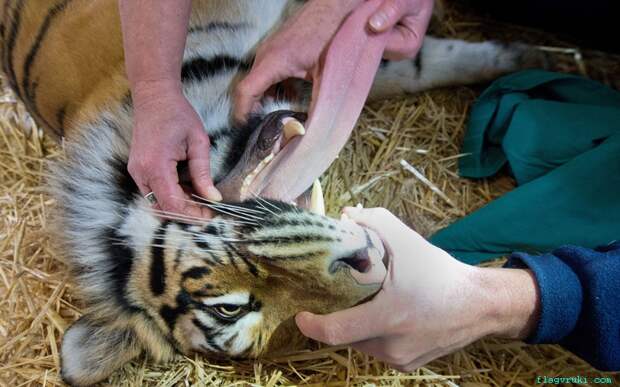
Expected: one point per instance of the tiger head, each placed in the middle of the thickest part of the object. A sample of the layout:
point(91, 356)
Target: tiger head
point(229, 287)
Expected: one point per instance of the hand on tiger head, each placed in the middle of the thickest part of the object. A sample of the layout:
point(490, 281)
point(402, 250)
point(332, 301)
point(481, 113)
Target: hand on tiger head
point(167, 130)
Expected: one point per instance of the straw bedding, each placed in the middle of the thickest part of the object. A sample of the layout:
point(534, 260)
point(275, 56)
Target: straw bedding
point(37, 300)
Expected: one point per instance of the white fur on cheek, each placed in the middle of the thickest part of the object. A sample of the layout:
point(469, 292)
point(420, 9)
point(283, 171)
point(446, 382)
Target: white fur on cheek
point(240, 298)
point(244, 328)
point(72, 354)
point(139, 226)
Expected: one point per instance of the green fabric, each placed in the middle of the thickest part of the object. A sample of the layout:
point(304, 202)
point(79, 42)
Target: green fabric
point(560, 136)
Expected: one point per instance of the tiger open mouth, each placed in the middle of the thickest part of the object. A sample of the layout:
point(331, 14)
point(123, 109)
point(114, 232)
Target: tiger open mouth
point(285, 125)
point(276, 130)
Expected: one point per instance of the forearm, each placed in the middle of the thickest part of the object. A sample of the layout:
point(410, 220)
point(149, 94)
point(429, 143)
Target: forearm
point(154, 34)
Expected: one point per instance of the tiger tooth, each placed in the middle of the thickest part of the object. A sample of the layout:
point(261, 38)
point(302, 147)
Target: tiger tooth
point(252, 175)
point(317, 203)
point(293, 128)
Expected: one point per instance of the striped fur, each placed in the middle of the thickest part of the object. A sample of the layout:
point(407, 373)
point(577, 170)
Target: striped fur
point(228, 287)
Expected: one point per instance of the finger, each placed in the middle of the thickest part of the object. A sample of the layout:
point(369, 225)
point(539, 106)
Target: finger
point(403, 43)
point(361, 322)
point(137, 176)
point(200, 169)
point(250, 89)
point(389, 13)
point(392, 231)
point(169, 194)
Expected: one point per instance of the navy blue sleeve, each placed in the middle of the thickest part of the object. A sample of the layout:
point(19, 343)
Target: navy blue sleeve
point(580, 301)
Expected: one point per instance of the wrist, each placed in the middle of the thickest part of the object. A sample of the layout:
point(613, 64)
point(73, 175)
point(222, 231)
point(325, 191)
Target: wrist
point(143, 91)
point(509, 301)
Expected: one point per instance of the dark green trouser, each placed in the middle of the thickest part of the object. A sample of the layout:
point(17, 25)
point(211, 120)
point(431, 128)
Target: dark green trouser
point(560, 136)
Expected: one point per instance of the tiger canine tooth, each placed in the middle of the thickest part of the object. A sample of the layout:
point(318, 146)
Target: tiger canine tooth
point(293, 128)
point(317, 203)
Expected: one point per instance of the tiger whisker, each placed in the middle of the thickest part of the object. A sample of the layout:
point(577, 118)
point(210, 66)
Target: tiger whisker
point(245, 217)
point(180, 217)
point(195, 220)
point(228, 209)
point(226, 205)
point(262, 200)
point(230, 212)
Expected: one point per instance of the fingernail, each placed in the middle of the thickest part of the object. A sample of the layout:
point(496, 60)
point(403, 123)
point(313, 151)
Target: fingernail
point(378, 20)
point(214, 194)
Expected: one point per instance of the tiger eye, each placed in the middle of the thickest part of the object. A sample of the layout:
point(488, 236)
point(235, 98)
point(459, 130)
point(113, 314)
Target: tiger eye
point(228, 310)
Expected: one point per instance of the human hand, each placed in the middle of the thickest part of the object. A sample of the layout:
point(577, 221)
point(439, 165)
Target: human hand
point(292, 51)
point(430, 304)
point(167, 130)
point(279, 57)
point(408, 21)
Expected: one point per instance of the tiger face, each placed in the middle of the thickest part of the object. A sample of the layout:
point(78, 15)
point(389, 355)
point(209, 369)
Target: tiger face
point(229, 278)
point(229, 287)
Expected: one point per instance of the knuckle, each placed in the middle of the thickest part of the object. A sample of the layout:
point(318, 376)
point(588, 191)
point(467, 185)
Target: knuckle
point(392, 8)
point(200, 139)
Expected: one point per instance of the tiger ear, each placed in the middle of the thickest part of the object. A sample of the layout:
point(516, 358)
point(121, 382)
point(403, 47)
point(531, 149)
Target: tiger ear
point(91, 351)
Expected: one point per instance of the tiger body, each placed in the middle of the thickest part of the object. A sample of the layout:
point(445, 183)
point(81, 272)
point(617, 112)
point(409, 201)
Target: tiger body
point(229, 286)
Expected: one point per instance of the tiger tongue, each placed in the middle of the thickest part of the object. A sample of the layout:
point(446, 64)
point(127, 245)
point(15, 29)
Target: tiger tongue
point(341, 84)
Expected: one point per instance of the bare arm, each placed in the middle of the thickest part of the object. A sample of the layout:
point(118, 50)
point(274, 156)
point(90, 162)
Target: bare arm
point(154, 35)
point(166, 127)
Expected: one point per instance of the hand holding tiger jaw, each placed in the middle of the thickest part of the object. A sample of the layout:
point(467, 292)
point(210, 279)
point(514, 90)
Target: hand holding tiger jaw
point(342, 73)
point(342, 81)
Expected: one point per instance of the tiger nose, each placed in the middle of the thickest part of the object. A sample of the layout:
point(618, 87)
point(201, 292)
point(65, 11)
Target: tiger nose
point(375, 256)
point(366, 258)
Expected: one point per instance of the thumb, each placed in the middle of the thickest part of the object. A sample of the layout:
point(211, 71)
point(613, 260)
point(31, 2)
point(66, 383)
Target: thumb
point(200, 167)
point(387, 16)
point(396, 235)
point(251, 88)
point(347, 326)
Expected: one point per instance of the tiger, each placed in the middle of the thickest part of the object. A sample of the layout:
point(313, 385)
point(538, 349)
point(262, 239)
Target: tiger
point(166, 286)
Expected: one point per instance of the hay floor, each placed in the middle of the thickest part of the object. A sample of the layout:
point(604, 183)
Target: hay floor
point(37, 300)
